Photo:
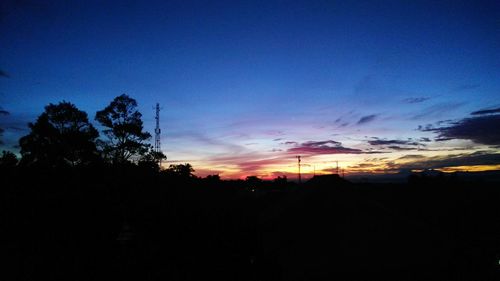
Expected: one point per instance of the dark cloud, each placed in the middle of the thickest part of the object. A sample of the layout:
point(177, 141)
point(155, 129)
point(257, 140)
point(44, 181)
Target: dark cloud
point(415, 100)
point(14, 123)
point(278, 139)
point(290, 143)
point(323, 147)
point(366, 119)
point(426, 128)
point(401, 148)
point(481, 129)
point(436, 162)
point(4, 74)
point(443, 139)
point(378, 141)
point(13, 126)
point(486, 111)
point(321, 143)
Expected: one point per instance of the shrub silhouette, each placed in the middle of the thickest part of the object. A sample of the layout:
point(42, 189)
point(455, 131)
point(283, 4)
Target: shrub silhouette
point(8, 160)
point(184, 171)
point(151, 159)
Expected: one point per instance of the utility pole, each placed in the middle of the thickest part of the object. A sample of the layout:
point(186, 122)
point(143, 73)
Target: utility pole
point(298, 162)
point(337, 167)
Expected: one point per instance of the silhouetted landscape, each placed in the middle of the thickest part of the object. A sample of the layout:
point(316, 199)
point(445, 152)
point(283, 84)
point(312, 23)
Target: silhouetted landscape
point(132, 223)
point(250, 140)
point(77, 208)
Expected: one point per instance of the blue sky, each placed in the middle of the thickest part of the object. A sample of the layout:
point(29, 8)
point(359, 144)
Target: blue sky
point(238, 80)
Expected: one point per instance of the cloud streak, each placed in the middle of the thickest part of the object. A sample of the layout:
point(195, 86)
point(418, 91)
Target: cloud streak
point(486, 111)
point(378, 141)
point(323, 147)
point(415, 100)
point(366, 119)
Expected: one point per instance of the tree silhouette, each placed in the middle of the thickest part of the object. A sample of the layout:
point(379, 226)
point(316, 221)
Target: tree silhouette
point(151, 159)
point(8, 159)
point(213, 178)
point(61, 136)
point(281, 180)
point(181, 170)
point(124, 130)
point(253, 180)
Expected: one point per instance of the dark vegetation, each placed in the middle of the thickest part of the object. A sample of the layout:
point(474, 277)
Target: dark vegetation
point(76, 207)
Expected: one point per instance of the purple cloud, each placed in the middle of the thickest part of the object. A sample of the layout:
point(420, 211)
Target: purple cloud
point(323, 147)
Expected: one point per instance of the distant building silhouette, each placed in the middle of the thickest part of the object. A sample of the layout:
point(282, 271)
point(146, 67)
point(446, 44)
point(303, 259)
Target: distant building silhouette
point(327, 180)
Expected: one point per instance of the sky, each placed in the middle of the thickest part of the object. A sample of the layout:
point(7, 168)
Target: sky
point(245, 86)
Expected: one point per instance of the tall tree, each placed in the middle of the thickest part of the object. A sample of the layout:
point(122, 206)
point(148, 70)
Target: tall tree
point(124, 130)
point(61, 136)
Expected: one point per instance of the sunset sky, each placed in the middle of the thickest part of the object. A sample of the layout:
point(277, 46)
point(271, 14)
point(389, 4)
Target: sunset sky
point(245, 86)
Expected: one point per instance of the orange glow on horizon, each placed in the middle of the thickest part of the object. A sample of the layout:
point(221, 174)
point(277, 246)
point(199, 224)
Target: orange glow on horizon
point(291, 173)
point(269, 167)
point(473, 168)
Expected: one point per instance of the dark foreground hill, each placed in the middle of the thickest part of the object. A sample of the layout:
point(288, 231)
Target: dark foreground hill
point(91, 225)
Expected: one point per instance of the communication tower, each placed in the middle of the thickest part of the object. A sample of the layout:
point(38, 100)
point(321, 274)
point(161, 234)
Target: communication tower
point(298, 162)
point(158, 131)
